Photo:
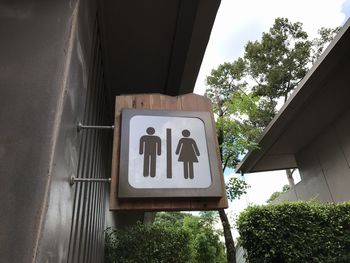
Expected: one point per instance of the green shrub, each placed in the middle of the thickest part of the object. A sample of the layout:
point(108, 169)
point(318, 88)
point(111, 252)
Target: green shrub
point(147, 243)
point(296, 232)
point(173, 237)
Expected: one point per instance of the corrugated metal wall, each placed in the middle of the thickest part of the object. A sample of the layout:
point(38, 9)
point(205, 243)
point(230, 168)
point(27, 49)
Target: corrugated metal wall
point(88, 223)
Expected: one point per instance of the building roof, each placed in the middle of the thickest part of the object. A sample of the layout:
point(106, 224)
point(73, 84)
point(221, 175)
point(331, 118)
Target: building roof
point(154, 46)
point(319, 99)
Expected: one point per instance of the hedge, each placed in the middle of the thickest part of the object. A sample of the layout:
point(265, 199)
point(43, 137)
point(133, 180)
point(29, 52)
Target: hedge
point(147, 243)
point(296, 232)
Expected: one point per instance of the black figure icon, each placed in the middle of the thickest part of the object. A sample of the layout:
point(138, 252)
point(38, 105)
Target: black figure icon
point(188, 150)
point(150, 147)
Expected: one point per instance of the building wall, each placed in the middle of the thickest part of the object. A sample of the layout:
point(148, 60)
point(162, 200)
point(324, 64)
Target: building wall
point(94, 161)
point(51, 78)
point(240, 253)
point(324, 165)
point(76, 215)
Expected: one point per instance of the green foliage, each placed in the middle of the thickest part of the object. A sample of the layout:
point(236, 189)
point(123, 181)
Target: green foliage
point(326, 35)
point(245, 92)
point(205, 244)
point(223, 82)
point(171, 218)
point(273, 196)
point(285, 188)
point(147, 243)
point(209, 218)
point(279, 60)
point(235, 188)
point(296, 232)
point(174, 237)
point(276, 194)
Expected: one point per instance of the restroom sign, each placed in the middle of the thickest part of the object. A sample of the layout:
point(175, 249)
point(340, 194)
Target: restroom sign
point(167, 153)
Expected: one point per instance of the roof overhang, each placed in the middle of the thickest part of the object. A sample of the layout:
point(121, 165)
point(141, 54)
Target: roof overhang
point(320, 98)
point(154, 46)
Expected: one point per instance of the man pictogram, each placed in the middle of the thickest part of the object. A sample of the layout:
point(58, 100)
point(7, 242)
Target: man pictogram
point(150, 147)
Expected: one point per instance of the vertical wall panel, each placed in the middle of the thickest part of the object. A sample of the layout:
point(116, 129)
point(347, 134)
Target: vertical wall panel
point(35, 40)
point(324, 164)
point(313, 183)
point(342, 128)
point(334, 165)
point(88, 223)
point(56, 220)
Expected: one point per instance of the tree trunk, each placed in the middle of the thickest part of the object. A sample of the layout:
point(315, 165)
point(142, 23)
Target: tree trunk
point(230, 244)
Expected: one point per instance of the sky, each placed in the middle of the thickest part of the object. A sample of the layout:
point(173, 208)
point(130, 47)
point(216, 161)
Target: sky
point(239, 21)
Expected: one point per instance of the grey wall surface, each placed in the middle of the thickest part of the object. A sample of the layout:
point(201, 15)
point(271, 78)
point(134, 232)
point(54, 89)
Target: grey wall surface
point(50, 78)
point(324, 165)
point(34, 36)
point(75, 219)
point(52, 75)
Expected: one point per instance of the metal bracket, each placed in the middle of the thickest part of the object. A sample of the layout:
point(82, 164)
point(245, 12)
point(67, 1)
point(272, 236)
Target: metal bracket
point(80, 127)
point(73, 179)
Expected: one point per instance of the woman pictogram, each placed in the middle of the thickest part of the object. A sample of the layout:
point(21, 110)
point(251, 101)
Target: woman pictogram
point(188, 150)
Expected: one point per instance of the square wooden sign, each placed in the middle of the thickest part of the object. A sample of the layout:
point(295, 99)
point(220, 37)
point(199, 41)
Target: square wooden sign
point(165, 155)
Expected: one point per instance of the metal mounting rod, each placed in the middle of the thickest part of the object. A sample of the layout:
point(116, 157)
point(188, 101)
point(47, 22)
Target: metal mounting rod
point(80, 127)
point(73, 179)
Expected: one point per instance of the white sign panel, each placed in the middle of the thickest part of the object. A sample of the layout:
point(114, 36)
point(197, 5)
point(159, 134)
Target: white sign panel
point(168, 152)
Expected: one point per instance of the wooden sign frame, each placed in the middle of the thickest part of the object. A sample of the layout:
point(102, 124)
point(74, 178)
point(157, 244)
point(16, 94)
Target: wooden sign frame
point(189, 102)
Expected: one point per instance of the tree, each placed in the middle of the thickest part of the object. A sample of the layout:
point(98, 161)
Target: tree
point(222, 83)
point(204, 241)
point(326, 35)
point(224, 88)
point(276, 194)
point(173, 237)
point(235, 188)
point(245, 93)
point(208, 217)
point(279, 61)
point(205, 244)
point(147, 243)
point(171, 218)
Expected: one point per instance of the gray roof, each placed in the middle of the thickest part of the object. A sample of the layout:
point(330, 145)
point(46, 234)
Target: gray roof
point(154, 46)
